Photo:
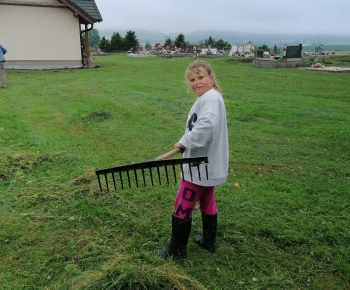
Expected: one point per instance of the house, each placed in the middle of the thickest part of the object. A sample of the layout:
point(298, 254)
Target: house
point(46, 34)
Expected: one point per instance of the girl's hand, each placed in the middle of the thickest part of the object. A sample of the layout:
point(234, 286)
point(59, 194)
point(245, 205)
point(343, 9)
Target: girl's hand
point(182, 150)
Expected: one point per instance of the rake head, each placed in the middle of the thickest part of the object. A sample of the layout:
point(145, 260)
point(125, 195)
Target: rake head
point(128, 174)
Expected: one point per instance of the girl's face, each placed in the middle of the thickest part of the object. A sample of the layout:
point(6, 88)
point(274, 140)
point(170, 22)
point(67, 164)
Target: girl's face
point(200, 81)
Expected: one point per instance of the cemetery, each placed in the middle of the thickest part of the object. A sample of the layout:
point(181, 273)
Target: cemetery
point(290, 56)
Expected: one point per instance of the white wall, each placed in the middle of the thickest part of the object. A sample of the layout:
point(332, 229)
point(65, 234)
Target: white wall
point(39, 33)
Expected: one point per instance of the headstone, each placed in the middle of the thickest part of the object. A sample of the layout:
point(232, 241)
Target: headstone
point(294, 51)
point(320, 49)
point(182, 47)
point(260, 53)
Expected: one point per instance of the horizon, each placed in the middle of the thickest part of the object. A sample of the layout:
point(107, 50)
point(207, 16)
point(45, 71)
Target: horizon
point(145, 36)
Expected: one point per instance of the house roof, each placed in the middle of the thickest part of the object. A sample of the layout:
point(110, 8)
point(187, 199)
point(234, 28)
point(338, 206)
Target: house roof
point(88, 7)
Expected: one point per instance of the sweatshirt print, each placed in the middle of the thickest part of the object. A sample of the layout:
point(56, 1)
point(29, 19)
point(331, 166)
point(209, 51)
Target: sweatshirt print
point(206, 135)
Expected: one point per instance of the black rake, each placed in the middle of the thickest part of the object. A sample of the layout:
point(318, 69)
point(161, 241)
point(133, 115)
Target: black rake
point(124, 173)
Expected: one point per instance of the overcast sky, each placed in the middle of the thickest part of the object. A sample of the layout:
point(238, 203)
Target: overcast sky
point(281, 16)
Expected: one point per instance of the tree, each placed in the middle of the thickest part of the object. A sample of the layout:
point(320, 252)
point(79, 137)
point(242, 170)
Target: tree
point(105, 45)
point(130, 40)
point(211, 41)
point(221, 44)
point(180, 40)
point(148, 46)
point(94, 38)
point(117, 42)
point(168, 41)
point(264, 47)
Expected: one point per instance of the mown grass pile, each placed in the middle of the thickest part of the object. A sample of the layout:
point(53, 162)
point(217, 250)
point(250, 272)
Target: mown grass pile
point(283, 220)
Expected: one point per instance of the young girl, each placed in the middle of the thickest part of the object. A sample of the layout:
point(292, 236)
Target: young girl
point(205, 135)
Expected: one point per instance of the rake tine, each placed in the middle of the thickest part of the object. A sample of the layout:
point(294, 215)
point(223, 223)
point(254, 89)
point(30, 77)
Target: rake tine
point(160, 183)
point(143, 175)
point(174, 172)
point(106, 181)
point(199, 172)
point(121, 179)
point(99, 182)
point(189, 166)
point(151, 176)
point(166, 173)
point(113, 177)
point(127, 173)
point(182, 171)
point(135, 173)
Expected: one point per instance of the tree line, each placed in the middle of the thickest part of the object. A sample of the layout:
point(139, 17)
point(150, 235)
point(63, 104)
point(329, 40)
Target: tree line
point(118, 43)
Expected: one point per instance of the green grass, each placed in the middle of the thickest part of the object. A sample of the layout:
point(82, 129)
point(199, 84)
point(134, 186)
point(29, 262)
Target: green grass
point(283, 220)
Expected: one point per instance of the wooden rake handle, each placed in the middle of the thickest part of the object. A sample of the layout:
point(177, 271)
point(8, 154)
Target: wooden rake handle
point(168, 154)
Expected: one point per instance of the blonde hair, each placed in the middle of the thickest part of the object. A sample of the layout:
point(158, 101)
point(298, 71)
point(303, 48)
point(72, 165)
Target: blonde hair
point(197, 65)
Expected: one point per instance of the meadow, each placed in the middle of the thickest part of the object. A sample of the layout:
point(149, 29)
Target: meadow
point(284, 212)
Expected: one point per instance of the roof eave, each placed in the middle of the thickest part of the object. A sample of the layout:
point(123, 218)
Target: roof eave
point(86, 19)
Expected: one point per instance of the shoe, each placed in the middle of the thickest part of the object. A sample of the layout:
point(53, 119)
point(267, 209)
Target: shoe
point(4, 87)
point(177, 247)
point(208, 240)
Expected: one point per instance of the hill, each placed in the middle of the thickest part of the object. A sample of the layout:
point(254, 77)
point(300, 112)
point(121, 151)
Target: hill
point(235, 37)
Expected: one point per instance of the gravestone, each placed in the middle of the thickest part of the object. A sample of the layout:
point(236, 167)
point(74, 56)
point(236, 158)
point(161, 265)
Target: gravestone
point(291, 58)
point(293, 51)
point(319, 52)
point(260, 53)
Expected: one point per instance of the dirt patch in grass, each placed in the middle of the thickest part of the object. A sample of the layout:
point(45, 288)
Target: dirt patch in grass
point(97, 116)
point(20, 162)
point(86, 178)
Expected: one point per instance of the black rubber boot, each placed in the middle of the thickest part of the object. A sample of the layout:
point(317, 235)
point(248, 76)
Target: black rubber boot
point(177, 247)
point(208, 240)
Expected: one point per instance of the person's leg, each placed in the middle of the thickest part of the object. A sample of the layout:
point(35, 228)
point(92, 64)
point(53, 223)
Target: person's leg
point(186, 198)
point(2, 75)
point(185, 201)
point(180, 233)
point(209, 220)
point(207, 201)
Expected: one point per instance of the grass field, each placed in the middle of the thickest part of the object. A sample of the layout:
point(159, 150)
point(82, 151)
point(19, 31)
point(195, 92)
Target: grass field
point(284, 213)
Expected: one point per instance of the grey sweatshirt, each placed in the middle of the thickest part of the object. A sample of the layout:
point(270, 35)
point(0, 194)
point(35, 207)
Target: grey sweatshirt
point(206, 135)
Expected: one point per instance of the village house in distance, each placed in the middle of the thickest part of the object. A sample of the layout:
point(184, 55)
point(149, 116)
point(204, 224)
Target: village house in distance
point(47, 34)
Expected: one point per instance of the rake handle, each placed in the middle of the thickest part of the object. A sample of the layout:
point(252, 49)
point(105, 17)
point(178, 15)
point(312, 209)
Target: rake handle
point(168, 154)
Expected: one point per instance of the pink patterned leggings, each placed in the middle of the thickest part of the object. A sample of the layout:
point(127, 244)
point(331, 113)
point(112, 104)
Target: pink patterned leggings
point(187, 196)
